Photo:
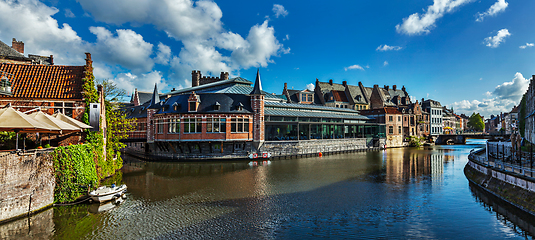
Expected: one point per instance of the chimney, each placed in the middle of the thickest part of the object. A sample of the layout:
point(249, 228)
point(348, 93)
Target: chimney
point(344, 83)
point(422, 99)
point(88, 61)
point(387, 87)
point(403, 88)
point(18, 46)
point(331, 81)
point(195, 78)
point(394, 87)
point(224, 76)
point(285, 85)
point(51, 59)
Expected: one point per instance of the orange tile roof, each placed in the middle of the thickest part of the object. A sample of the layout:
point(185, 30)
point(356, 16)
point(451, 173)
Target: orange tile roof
point(44, 82)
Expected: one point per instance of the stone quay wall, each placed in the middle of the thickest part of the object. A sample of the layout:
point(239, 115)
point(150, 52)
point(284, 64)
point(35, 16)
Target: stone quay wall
point(26, 183)
point(287, 148)
point(516, 189)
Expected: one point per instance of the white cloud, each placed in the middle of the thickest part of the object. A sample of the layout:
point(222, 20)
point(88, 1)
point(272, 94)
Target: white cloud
point(496, 8)
point(504, 97)
point(310, 86)
point(354, 67)
point(183, 19)
point(512, 90)
point(143, 82)
point(418, 24)
point(287, 37)
point(69, 13)
point(163, 55)
point(31, 21)
point(279, 10)
point(385, 63)
point(197, 25)
point(127, 49)
point(385, 47)
point(260, 45)
point(527, 45)
point(495, 41)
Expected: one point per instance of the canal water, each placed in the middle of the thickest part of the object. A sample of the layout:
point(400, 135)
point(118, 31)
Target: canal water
point(393, 194)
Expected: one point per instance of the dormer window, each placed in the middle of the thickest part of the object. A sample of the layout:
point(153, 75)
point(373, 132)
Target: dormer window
point(176, 106)
point(193, 107)
point(239, 107)
point(217, 106)
point(193, 102)
point(306, 97)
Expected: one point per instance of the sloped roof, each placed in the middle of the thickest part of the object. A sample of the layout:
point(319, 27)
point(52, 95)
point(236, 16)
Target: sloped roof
point(355, 92)
point(7, 51)
point(384, 110)
point(144, 97)
point(327, 87)
point(45, 81)
point(339, 96)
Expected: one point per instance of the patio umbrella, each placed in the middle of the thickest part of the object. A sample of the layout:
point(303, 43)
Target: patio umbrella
point(18, 122)
point(55, 122)
point(71, 121)
point(45, 118)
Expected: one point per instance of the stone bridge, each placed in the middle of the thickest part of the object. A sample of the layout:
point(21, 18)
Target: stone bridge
point(461, 138)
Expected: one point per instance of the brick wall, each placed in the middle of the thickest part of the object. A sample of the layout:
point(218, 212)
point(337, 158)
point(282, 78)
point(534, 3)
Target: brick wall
point(26, 183)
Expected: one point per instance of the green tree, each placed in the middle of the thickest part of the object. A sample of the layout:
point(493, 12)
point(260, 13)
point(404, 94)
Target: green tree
point(118, 125)
point(476, 122)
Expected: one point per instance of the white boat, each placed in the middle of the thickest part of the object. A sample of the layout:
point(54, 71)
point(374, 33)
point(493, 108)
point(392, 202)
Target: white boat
point(105, 193)
point(102, 207)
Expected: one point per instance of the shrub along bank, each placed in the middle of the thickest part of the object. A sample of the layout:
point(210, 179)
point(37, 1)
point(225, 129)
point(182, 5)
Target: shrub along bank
point(79, 168)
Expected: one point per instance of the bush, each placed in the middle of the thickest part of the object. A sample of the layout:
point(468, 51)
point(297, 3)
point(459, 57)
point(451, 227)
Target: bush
point(75, 171)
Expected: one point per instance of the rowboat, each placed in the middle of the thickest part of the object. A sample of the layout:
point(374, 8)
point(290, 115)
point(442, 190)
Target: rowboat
point(105, 193)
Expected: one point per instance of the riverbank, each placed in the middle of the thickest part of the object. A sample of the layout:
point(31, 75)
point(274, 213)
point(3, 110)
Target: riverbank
point(514, 189)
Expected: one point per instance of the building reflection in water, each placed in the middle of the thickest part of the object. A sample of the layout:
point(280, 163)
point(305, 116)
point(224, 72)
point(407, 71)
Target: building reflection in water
point(403, 165)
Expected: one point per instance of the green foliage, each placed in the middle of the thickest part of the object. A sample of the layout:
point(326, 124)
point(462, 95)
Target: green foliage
point(475, 122)
point(75, 171)
point(522, 116)
point(80, 166)
point(415, 141)
point(7, 140)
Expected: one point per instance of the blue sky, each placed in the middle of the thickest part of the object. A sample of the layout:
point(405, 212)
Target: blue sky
point(469, 55)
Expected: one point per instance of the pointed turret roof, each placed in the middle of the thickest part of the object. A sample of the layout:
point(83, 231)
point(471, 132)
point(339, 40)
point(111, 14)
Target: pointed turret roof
point(257, 84)
point(155, 97)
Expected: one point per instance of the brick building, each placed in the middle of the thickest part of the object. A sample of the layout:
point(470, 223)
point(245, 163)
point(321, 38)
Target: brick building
point(233, 117)
point(27, 83)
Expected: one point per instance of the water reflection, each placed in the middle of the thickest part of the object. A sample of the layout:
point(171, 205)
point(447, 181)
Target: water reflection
point(397, 193)
point(518, 221)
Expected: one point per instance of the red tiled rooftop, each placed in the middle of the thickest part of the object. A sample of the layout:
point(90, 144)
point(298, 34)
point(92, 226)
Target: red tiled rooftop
point(44, 82)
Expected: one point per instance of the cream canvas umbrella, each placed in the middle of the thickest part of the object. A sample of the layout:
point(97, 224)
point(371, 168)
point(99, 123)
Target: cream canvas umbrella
point(52, 121)
point(12, 120)
point(71, 121)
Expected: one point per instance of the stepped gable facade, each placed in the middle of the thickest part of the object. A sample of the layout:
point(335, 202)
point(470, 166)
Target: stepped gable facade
point(342, 95)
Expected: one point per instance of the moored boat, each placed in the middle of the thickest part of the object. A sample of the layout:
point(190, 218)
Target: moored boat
point(105, 193)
